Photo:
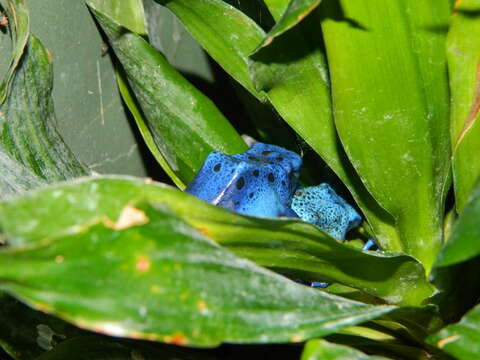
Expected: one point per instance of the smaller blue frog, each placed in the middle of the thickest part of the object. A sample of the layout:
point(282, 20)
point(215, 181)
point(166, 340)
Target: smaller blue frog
point(320, 205)
point(259, 182)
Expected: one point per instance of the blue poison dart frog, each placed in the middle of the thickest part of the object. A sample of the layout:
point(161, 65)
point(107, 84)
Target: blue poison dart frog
point(259, 182)
point(320, 205)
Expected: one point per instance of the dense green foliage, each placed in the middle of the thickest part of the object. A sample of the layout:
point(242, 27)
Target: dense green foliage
point(386, 93)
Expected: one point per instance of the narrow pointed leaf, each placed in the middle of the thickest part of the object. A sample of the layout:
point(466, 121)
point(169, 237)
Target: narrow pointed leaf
point(27, 120)
point(291, 247)
point(463, 52)
point(391, 108)
point(296, 11)
point(182, 287)
point(318, 349)
point(224, 32)
point(145, 131)
point(463, 243)
point(461, 340)
point(185, 124)
point(19, 21)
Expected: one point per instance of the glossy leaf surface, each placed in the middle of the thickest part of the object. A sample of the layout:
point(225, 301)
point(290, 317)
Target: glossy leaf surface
point(318, 349)
point(461, 340)
point(463, 243)
point(185, 124)
point(182, 287)
point(288, 246)
point(27, 120)
point(463, 52)
point(127, 13)
point(391, 106)
point(144, 130)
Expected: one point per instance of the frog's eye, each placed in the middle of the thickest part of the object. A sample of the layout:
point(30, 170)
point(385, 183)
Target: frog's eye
point(217, 167)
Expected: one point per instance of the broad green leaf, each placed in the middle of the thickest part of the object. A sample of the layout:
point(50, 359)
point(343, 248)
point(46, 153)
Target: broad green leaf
point(463, 54)
point(391, 105)
point(461, 340)
point(319, 349)
point(298, 89)
point(224, 32)
point(27, 120)
point(296, 11)
point(19, 25)
point(15, 178)
point(305, 79)
point(144, 130)
point(127, 13)
point(291, 247)
point(182, 287)
point(186, 125)
point(26, 333)
point(463, 243)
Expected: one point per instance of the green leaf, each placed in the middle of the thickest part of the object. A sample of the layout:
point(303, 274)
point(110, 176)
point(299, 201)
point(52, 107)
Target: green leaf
point(14, 177)
point(185, 124)
point(182, 287)
point(463, 243)
point(127, 13)
point(26, 333)
point(224, 32)
point(296, 11)
point(144, 130)
point(463, 44)
point(291, 247)
point(27, 120)
point(461, 340)
point(318, 349)
point(19, 21)
point(391, 106)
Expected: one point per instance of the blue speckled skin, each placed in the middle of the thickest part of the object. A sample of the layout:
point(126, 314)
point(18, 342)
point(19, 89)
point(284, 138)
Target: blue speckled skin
point(259, 182)
point(320, 205)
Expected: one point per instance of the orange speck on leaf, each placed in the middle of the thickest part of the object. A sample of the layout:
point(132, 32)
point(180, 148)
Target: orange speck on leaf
point(143, 264)
point(203, 230)
point(3, 20)
point(177, 339)
point(201, 305)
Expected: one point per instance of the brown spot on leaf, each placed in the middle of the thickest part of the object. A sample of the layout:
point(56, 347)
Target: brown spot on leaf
point(447, 340)
point(3, 20)
point(474, 111)
point(143, 264)
point(59, 259)
point(130, 216)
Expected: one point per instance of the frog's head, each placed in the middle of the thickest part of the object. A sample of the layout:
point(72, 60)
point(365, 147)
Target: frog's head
point(258, 182)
